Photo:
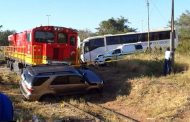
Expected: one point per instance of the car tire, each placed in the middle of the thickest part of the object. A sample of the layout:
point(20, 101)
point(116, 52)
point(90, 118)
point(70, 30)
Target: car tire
point(95, 91)
point(108, 63)
point(96, 63)
point(100, 90)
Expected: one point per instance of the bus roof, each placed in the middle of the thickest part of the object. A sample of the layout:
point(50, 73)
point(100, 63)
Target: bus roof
point(129, 33)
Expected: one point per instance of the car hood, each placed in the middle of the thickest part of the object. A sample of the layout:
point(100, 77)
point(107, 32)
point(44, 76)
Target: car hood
point(91, 76)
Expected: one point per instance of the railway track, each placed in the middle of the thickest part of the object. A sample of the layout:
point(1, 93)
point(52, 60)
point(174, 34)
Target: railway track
point(99, 113)
point(94, 118)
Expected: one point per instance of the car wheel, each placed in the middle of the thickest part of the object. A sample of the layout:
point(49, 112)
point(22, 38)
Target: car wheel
point(108, 62)
point(96, 63)
point(100, 90)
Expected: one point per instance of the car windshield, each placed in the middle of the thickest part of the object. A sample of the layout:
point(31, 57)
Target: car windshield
point(43, 36)
point(89, 75)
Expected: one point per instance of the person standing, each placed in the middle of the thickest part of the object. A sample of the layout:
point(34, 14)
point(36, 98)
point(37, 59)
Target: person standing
point(167, 61)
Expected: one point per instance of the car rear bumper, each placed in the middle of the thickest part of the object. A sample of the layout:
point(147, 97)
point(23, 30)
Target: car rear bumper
point(27, 95)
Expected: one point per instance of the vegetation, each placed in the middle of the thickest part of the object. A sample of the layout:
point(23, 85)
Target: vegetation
point(143, 92)
point(4, 36)
point(83, 34)
point(110, 26)
point(114, 26)
point(183, 24)
point(134, 87)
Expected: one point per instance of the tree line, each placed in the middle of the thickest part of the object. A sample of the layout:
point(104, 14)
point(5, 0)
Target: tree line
point(121, 25)
point(4, 36)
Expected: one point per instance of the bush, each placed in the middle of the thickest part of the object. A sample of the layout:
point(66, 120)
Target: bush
point(184, 46)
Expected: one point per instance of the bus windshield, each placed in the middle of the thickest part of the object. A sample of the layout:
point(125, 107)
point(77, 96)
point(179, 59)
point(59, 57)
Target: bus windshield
point(44, 36)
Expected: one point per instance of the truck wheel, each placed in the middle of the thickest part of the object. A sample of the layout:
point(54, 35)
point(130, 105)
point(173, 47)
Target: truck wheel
point(21, 70)
point(11, 65)
point(20, 67)
point(8, 65)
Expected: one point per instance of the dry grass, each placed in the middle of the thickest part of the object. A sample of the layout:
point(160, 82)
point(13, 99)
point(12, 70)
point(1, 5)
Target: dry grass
point(134, 87)
point(152, 94)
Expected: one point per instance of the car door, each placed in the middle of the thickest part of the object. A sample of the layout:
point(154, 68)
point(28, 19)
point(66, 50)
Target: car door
point(77, 84)
point(60, 84)
point(116, 54)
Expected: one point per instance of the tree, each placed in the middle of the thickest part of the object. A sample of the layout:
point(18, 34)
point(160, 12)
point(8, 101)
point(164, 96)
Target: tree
point(183, 26)
point(114, 26)
point(4, 36)
point(83, 34)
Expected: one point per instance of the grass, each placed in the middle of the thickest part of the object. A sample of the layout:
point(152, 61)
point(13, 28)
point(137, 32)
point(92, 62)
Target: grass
point(134, 87)
point(156, 95)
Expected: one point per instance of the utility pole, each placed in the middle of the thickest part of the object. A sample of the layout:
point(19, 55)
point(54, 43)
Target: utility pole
point(48, 18)
point(148, 4)
point(172, 42)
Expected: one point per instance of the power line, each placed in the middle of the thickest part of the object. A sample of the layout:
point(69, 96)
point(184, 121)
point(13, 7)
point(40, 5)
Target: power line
point(159, 12)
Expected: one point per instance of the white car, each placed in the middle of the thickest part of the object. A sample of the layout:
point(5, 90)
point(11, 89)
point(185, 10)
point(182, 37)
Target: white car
point(118, 53)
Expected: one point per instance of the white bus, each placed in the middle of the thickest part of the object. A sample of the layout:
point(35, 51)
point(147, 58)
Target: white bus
point(93, 46)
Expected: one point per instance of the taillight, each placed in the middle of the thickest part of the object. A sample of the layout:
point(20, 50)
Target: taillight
point(29, 89)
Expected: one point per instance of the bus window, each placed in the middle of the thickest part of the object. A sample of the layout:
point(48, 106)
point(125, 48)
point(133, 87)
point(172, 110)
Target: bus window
point(62, 38)
point(72, 41)
point(43, 36)
point(132, 38)
point(166, 35)
point(138, 47)
point(86, 47)
point(142, 37)
point(124, 39)
point(155, 36)
point(95, 43)
point(112, 40)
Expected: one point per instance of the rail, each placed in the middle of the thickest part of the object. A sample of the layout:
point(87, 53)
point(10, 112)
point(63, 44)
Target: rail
point(101, 113)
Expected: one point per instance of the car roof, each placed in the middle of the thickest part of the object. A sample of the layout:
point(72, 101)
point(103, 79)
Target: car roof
point(50, 69)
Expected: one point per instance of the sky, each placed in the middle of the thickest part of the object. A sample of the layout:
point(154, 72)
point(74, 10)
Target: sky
point(21, 15)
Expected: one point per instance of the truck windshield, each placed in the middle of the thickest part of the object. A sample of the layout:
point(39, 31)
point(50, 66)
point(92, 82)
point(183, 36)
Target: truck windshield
point(43, 36)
